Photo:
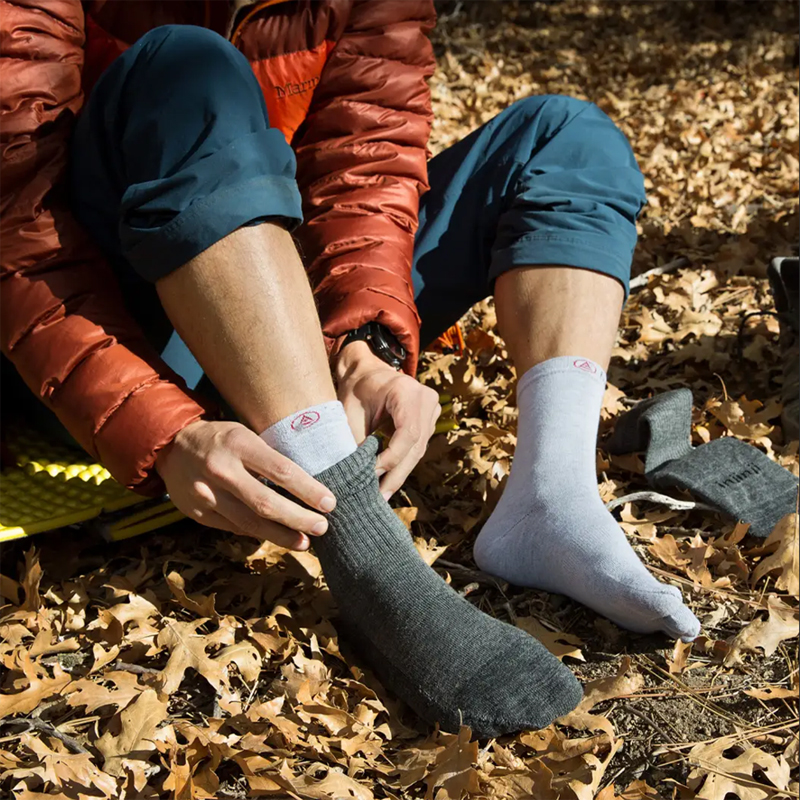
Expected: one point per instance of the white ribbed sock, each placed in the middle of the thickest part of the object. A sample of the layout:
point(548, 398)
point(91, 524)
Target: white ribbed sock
point(550, 529)
point(315, 438)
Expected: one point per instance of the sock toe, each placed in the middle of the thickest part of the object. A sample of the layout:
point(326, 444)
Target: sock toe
point(682, 624)
point(530, 696)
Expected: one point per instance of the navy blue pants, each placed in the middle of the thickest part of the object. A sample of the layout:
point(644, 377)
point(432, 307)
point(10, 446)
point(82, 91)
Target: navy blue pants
point(174, 151)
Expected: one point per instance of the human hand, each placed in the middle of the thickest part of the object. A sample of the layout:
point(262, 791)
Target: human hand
point(210, 471)
point(372, 391)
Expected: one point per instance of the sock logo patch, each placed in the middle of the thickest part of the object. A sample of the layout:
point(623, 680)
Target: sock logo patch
point(584, 365)
point(304, 420)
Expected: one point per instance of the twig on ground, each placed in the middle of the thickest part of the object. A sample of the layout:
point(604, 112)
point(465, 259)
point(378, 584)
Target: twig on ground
point(39, 725)
point(641, 280)
point(476, 575)
point(137, 669)
point(642, 716)
point(661, 499)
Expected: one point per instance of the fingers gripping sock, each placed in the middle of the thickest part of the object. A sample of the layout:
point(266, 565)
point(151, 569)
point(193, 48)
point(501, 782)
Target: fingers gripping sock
point(550, 529)
point(314, 438)
point(448, 661)
point(726, 473)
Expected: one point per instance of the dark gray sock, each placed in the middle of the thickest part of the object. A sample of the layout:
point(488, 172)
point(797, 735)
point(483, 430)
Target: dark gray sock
point(729, 474)
point(450, 662)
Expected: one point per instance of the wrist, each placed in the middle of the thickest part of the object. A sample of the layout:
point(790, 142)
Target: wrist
point(163, 455)
point(354, 358)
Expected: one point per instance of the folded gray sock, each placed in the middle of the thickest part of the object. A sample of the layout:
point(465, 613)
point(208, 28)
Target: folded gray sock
point(727, 473)
point(450, 662)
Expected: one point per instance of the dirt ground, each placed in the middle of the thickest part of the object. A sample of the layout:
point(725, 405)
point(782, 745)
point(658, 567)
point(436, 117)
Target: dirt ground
point(186, 664)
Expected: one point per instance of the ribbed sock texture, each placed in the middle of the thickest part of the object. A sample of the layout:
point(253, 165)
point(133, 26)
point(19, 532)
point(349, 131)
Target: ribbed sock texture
point(315, 438)
point(550, 529)
point(450, 662)
point(727, 473)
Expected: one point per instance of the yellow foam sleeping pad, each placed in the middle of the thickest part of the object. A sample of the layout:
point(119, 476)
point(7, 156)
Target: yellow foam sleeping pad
point(51, 486)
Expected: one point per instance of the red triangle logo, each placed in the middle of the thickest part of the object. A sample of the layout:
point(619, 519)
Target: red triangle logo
point(584, 365)
point(304, 420)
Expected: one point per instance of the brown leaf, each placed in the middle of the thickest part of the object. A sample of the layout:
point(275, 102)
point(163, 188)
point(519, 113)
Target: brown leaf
point(31, 579)
point(784, 560)
point(40, 687)
point(137, 727)
point(716, 774)
point(766, 634)
point(187, 649)
point(200, 604)
point(454, 775)
point(430, 550)
point(771, 693)
point(680, 657)
point(625, 682)
point(561, 645)
point(245, 656)
point(63, 771)
point(586, 790)
point(92, 695)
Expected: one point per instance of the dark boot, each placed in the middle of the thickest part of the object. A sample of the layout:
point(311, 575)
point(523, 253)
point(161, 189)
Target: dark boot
point(784, 280)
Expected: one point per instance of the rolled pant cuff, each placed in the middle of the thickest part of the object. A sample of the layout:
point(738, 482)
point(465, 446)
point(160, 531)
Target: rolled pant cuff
point(564, 250)
point(207, 221)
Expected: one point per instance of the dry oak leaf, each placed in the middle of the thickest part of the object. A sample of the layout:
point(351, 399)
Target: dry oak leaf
point(187, 649)
point(638, 790)
point(334, 786)
point(717, 776)
point(40, 687)
point(784, 560)
point(246, 657)
point(411, 763)
point(92, 695)
point(680, 657)
point(31, 580)
point(561, 645)
point(587, 790)
point(624, 683)
point(201, 605)
point(771, 693)
point(429, 550)
point(745, 419)
point(453, 774)
point(781, 624)
point(63, 770)
point(137, 727)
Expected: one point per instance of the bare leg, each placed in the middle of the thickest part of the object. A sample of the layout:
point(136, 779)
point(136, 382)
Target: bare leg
point(550, 529)
point(550, 311)
point(245, 309)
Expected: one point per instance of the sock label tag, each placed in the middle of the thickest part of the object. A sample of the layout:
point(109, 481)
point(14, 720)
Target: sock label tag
point(304, 420)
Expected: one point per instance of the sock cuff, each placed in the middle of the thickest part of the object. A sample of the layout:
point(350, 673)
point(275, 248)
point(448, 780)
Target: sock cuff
point(350, 475)
point(572, 365)
point(314, 437)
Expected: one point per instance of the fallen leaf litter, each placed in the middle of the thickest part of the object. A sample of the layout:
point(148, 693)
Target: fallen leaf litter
point(190, 665)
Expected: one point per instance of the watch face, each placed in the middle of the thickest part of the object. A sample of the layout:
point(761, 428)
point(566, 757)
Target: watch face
point(386, 345)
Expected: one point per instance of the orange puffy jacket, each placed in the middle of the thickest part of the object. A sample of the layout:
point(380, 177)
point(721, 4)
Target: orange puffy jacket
point(344, 80)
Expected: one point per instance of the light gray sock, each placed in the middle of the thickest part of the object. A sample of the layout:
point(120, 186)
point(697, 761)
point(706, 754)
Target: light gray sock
point(449, 661)
point(314, 438)
point(550, 529)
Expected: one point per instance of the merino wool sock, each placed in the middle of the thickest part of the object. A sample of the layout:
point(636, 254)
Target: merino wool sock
point(550, 529)
point(432, 648)
point(314, 438)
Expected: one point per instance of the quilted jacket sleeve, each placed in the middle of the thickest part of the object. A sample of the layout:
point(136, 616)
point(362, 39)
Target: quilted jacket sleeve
point(63, 323)
point(362, 166)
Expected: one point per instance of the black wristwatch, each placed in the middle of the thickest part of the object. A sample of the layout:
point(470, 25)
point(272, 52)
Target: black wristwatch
point(381, 340)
